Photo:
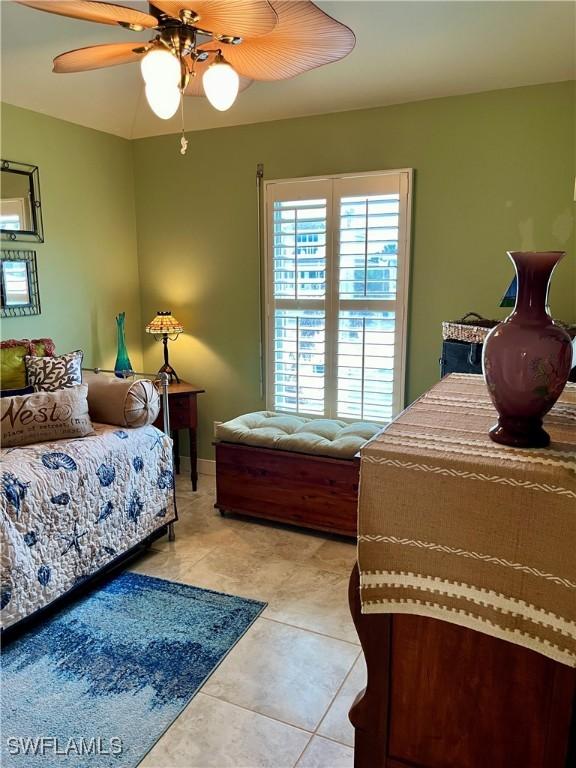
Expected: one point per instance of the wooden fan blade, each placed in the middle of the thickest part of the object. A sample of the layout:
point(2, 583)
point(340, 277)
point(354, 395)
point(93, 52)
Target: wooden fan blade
point(195, 87)
point(99, 56)
point(240, 18)
point(90, 10)
point(304, 38)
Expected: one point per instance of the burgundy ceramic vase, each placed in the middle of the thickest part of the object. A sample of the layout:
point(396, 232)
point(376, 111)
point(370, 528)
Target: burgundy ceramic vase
point(527, 358)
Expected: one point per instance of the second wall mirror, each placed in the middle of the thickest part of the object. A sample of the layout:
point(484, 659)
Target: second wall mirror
point(19, 294)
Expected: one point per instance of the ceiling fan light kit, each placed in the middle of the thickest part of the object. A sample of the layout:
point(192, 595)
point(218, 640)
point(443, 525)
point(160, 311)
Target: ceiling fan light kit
point(160, 66)
point(221, 84)
point(161, 72)
point(211, 48)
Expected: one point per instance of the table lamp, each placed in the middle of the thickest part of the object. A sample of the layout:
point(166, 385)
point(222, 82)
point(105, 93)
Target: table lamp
point(165, 326)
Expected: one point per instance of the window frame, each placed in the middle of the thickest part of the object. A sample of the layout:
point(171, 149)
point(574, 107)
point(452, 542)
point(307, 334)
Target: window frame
point(295, 189)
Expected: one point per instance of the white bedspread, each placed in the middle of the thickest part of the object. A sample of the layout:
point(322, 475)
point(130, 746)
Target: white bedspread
point(72, 506)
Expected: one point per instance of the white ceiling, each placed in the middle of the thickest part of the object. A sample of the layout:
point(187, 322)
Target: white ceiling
point(406, 51)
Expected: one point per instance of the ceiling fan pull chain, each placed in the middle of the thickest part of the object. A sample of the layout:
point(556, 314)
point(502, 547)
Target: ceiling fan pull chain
point(183, 139)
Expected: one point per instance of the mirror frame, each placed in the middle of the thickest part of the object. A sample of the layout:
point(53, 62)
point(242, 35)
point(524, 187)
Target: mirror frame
point(37, 231)
point(33, 308)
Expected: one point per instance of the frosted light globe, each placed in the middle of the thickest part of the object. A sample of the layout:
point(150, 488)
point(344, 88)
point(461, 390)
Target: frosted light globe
point(221, 84)
point(164, 100)
point(160, 67)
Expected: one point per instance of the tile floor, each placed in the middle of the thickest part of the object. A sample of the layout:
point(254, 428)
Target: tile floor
point(280, 699)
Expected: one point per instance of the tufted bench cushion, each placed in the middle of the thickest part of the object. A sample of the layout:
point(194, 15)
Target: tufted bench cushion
point(320, 437)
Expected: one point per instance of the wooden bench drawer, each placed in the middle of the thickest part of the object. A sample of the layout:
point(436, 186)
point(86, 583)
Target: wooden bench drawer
point(310, 491)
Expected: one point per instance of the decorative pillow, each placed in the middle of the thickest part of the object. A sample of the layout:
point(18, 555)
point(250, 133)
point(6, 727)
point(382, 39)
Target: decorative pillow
point(45, 416)
point(47, 374)
point(122, 402)
point(12, 354)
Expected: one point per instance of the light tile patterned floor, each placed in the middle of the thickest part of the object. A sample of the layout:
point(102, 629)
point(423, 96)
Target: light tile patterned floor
point(281, 697)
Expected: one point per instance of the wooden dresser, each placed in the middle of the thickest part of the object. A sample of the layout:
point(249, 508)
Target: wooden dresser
point(444, 696)
point(464, 596)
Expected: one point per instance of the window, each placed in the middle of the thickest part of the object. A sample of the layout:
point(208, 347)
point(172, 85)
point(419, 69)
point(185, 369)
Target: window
point(337, 283)
point(12, 214)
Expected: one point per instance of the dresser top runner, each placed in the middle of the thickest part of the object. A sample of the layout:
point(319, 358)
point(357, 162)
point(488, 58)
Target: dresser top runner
point(455, 527)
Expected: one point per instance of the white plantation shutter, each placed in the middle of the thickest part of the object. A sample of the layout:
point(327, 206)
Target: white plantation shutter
point(336, 277)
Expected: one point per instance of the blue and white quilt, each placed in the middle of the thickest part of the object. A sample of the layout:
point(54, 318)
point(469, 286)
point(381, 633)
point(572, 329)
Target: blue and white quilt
point(70, 507)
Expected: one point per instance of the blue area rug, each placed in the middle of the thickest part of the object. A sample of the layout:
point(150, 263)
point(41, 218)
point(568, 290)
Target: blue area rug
point(97, 684)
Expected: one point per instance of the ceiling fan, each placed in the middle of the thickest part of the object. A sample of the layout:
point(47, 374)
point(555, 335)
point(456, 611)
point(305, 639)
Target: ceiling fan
point(207, 47)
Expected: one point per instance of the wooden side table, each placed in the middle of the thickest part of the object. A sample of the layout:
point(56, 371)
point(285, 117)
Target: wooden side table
point(182, 399)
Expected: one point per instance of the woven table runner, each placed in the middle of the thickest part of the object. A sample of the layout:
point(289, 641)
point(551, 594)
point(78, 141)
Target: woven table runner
point(455, 527)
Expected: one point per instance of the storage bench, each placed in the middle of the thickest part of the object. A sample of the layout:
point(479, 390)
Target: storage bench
point(291, 469)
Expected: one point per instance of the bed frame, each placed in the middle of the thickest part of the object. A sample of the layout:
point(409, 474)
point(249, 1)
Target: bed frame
point(98, 577)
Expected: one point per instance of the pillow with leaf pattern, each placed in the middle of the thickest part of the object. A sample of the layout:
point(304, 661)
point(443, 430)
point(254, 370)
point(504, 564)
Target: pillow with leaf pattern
point(49, 374)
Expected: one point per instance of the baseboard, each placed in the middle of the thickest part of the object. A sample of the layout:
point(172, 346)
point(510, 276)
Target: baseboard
point(205, 466)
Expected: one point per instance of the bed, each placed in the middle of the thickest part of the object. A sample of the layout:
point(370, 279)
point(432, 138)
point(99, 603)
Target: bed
point(71, 508)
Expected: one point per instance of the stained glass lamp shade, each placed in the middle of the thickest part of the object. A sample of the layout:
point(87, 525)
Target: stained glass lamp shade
point(165, 326)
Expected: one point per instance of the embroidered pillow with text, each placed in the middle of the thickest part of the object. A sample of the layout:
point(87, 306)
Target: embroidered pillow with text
point(45, 416)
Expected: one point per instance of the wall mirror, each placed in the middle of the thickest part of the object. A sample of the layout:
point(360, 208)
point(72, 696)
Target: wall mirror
point(20, 206)
point(19, 293)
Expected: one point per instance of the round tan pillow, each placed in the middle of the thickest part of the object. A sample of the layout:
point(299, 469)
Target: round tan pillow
point(120, 401)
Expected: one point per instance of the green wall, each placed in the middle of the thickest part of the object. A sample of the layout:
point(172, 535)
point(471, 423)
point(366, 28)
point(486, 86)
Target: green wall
point(494, 172)
point(87, 266)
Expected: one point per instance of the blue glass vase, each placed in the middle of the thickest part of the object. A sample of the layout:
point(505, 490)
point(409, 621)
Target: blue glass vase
point(122, 366)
